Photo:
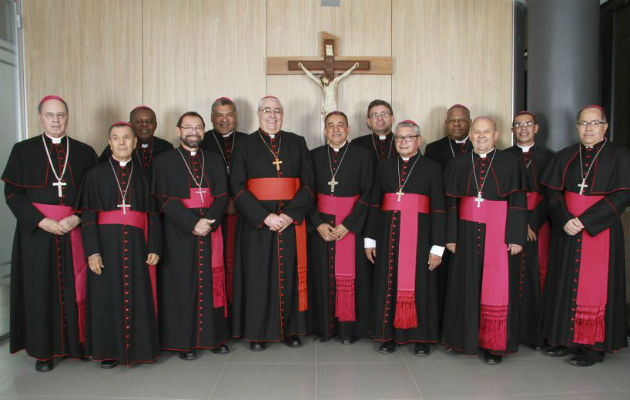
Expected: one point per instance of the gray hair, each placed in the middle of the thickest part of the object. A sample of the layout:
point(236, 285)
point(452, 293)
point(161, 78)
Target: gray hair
point(260, 102)
point(408, 124)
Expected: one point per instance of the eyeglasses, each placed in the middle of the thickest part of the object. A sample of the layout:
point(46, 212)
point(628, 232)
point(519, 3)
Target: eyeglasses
point(406, 139)
point(457, 120)
point(59, 115)
point(523, 124)
point(383, 114)
point(592, 124)
point(192, 128)
point(268, 111)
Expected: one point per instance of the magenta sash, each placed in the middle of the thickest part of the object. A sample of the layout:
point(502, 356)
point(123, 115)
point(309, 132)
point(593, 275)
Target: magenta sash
point(410, 205)
point(79, 262)
point(544, 239)
point(345, 250)
point(219, 298)
point(495, 278)
point(139, 220)
point(592, 290)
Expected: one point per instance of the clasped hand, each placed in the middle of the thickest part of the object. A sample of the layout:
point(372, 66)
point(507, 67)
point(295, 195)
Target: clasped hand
point(277, 223)
point(203, 227)
point(59, 227)
point(330, 234)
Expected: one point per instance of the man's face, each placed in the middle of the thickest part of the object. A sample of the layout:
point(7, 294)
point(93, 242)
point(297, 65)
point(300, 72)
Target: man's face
point(407, 141)
point(122, 141)
point(457, 123)
point(54, 118)
point(590, 134)
point(191, 131)
point(336, 130)
point(524, 128)
point(483, 135)
point(223, 119)
point(144, 124)
point(380, 120)
point(270, 116)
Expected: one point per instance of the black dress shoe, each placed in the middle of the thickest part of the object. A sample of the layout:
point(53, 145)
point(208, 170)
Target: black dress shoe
point(491, 359)
point(580, 361)
point(422, 349)
point(536, 347)
point(556, 351)
point(293, 341)
point(188, 356)
point(109, 364)
point(257, 346)
point(388, 347)
point(347, 341)
point(44, 366)
point(222, 349)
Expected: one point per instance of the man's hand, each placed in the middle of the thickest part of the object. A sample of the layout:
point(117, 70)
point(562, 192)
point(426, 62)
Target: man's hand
point(326, 232)
point(573, 227)
point(51, 226)
point(287, 221)
point(531, 235)
point(434, 261)
point(274, 222)
point(451, 247)
point(231, 207)
point(340, 231)
point(95, 262)
point(203, 227)
point(69, 223)
point(153, 259)
point(370, 253)
point(514, 248)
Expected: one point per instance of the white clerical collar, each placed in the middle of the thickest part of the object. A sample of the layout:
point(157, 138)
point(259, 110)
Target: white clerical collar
point(409, 158)
point(525, 149)
point(381, 137)
point(227, 135)
point(484, 155)
point(193, 153)
point(336, 149)
point(461, 141)
point(144, 145)
point(55, 140)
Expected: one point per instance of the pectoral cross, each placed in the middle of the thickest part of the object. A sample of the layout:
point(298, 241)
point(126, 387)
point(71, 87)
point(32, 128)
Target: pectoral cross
point(580, 185)
point(479, 199)
point(60, 185)
point(124, 206)
point(200, 192)
point(399, 193)
point(277, 162)
point(332, 183)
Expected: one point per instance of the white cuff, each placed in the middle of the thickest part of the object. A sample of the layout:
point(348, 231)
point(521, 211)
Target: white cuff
point(437, 250)
point(369, 243)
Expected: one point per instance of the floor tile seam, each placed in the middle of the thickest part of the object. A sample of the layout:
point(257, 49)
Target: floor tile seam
point(214, 387)
point(608, 380)
point(567, 393)
point(359, 363)
point(413, 379)
point(276, 363)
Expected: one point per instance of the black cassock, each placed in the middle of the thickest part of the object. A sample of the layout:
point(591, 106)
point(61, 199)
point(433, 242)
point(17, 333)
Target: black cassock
point(425, 178)
point(266, 293)
point(121, 322)
point(354, 177)
point(462, 311)
point(44, 309)
point(380, 149)
point(144, 153)
point(610, 178)
point(189, 318)
point(535, 255)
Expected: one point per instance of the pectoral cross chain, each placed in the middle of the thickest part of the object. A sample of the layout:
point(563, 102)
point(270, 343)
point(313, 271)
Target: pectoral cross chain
point(200, 192)
point(124, 206)
point(61, 184)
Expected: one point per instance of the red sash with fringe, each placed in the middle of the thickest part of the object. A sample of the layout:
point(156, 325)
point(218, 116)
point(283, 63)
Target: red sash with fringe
point(216, 237)
point(79, 262)
point(410, 205)
point(345, 250)
point(592, 291)
point(495, 277)
point(285, 189)
point(543, 238)
point(136, 219)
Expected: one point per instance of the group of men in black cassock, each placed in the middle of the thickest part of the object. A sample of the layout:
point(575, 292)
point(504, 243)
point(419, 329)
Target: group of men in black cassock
point(253, 236)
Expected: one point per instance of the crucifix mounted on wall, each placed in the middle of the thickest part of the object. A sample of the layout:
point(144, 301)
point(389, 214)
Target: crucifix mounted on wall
point(327, 80)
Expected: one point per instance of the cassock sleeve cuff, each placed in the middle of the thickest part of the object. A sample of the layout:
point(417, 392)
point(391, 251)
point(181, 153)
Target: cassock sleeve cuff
point(437, 250)
point(369, 243)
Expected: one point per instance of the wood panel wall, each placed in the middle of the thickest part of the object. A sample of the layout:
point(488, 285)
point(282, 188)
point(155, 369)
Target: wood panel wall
point(107, 56)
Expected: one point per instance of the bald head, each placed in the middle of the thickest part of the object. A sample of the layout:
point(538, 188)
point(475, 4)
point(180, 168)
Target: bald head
point(483, 134)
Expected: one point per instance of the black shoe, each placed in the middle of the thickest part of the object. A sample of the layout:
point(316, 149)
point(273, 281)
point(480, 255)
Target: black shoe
point(44, 366)
point(222, 349)
point(347, 341)
point(293, 341)
point(556, 351)
point(188, 356)
point(580, 361)
point(536, 347)
point(388, 347)
point(109, 364)
point(491, 359)
point(422, 349)
point(257, 346)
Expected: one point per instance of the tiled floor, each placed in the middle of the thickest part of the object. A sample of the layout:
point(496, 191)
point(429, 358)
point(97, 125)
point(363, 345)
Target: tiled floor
point(321, 371)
